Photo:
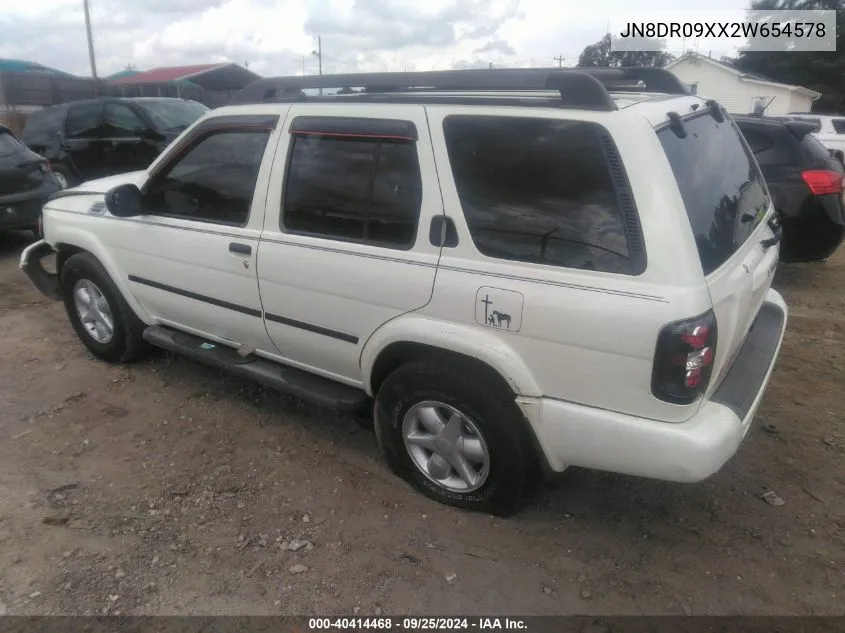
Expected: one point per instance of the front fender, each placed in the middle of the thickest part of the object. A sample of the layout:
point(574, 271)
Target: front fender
point(451, 337)
point(79, 237)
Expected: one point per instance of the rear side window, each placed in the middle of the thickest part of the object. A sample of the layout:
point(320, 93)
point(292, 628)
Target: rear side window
point(9, 144)
point(838, 125)
point(42, 128)
point(538, 191)
point(353, 187)
point(723, 190)
point(83, 121)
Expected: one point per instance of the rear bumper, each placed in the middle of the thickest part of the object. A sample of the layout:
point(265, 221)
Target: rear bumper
point(575, 435)
point(45, 282)
point(21, 211)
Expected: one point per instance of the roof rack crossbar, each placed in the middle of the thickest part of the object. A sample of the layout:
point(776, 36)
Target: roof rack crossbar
point(578, 87)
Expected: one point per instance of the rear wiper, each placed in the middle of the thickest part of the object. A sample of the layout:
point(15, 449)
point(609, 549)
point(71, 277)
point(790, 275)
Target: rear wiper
point(774, 224)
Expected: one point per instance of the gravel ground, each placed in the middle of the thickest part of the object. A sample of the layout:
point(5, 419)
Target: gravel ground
point(168, 488)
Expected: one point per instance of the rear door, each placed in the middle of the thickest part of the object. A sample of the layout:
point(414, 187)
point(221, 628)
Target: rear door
point(729, 206)
point(345, 246)
point(83, 140)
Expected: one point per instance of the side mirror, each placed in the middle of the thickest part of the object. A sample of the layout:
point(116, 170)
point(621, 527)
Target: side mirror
point(124, 201)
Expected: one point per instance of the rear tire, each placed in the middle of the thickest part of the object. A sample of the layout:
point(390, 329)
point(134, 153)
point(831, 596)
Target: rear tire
point(494, 438)
point(102, 319)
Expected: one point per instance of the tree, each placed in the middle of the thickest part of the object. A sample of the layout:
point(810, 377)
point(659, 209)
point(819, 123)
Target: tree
point(819, 71)
point(599, 54)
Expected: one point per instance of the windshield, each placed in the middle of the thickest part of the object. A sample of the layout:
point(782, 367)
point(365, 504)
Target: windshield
point(172, 116)
point(9, 144)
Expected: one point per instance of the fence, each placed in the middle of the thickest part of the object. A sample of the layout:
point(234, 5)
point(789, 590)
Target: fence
point(21, 93)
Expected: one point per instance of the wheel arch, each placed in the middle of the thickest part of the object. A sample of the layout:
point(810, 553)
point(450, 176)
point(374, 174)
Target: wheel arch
point(83, 242)
point(412, 338)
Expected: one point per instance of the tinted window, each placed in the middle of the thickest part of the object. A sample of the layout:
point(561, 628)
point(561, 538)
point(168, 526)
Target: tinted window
point(120, 121)
point(768, 145)
point(9, 144)
point(83, 121)
point(838, 125)
point(174, 115)
point(354, 189)
point(722, 188)
point(214, 181)
point(538, 190)
point(42, 127)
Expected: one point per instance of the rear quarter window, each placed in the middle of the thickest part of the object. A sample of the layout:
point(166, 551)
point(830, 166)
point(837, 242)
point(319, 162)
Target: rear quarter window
point(724, 193)
point(541, 191)
point(9, 145)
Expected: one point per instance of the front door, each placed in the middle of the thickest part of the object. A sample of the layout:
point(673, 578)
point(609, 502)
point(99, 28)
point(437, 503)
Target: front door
point(127, 145)
point(190, 260)
point(346, 243)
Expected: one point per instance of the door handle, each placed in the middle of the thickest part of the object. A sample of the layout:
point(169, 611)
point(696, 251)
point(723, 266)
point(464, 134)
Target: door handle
point(240, 249)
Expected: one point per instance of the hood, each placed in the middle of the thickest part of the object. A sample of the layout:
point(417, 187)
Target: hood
point(102, 185)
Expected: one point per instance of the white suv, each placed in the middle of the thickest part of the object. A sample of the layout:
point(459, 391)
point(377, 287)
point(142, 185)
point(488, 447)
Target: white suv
point(520, 271)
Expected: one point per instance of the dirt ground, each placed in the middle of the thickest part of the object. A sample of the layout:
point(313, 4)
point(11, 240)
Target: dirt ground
point(169, 488)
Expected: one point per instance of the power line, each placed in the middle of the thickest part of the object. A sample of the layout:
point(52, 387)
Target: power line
point(559, 59)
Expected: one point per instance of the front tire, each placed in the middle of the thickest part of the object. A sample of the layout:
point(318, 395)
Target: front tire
point(102, 319)
point(456, 434)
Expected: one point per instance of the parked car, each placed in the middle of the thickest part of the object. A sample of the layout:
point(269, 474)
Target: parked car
point(828, 129)
point(806, 185)
point(26, 181)
point(86, 140)
point(517, 271)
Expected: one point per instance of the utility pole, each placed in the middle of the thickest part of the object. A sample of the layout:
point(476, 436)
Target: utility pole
point(319, 54)
point(559, 59)
point(90, 39)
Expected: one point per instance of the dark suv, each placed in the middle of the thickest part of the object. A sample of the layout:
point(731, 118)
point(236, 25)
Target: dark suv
point(25, 183)
point(806, 184)
point(92, 139)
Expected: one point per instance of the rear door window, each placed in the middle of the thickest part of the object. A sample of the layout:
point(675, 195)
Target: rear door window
point(539, 191)
point(85, 120)
point(723, 190)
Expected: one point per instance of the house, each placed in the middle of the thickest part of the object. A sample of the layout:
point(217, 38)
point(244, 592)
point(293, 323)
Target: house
point(738, 91)
point(212, 84)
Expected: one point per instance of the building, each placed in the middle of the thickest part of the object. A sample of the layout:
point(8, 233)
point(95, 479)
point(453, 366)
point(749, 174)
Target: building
point(738, 91)
point(211, 84)
point(26, 86)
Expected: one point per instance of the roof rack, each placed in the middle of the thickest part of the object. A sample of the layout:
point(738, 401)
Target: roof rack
point(584, 88)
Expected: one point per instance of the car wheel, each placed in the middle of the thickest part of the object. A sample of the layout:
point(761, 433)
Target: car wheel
point(102, 319)
point(455, 434)
point(64, 176)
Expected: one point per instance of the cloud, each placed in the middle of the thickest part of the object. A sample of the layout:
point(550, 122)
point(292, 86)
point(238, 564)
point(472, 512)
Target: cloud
point(496, 46)
point(277, 36)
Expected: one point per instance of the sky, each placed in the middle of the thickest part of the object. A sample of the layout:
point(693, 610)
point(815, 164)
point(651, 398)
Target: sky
point(277, 37)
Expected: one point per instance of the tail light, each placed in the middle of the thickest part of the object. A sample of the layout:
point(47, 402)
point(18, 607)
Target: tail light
point(40, 226)
point(684, 358)
point(823, 181)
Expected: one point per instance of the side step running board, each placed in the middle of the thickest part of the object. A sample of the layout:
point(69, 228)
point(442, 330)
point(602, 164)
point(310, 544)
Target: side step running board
point(294, 382)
